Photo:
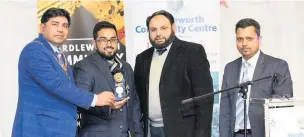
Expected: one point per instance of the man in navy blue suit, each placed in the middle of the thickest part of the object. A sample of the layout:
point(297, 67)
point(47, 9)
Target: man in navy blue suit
point(48, 98)
point(103, 71)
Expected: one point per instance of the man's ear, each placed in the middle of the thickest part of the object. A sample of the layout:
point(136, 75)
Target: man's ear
point(42, 27)
point(260, 40)
point(94, 43)
point(174, 27)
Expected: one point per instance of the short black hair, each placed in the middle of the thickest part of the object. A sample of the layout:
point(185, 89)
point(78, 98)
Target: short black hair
point(101, 25)
point(161, 12)
point(55, 12)
point(247, 22)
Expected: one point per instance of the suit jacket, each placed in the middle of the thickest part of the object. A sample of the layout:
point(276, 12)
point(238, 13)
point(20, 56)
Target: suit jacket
point(93, 74)
point(185, 74)
point(266, 66)
point(47, 96)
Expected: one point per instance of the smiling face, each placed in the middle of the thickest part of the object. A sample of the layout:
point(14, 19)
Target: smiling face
point(55, 30)
point(107, 43)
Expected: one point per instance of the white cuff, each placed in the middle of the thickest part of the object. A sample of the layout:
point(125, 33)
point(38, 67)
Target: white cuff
point(93, 104)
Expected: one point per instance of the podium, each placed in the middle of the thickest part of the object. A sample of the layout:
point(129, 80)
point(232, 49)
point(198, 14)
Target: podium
point(283, 117)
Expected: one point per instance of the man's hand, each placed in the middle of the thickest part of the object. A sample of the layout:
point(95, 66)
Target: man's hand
point(120, 104)
point(105, 98)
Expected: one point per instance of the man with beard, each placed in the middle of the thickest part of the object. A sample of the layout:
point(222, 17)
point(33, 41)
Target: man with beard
point(167, 73)
point(103, 71)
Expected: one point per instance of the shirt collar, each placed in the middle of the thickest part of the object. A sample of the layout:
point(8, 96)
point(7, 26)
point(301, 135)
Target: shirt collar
point(53, 47)
point(168, 48)
point(253, 60)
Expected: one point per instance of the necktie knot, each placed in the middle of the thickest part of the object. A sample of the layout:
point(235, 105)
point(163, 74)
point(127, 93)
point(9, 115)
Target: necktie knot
point(245, 76)
point(59, 50)
point(161, 51)
point(246, 64)
point(58, 55)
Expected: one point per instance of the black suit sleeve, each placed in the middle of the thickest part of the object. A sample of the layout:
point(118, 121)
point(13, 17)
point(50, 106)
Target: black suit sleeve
point(139, 84)
point(138, 81)
point(84, 79)
point(201, 82)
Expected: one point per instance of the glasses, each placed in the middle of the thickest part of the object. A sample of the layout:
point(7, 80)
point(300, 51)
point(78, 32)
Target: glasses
point(104, 41)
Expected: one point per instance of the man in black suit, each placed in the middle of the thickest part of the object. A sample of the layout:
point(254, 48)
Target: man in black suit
point(167, 73)
point(102, 71)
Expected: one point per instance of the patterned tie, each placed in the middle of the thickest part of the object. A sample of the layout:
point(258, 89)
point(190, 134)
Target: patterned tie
point(240, 102)
point(60, 57)
point(161, 51)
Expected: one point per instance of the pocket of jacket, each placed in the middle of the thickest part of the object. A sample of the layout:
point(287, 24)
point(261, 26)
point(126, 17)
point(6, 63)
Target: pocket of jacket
point(48, 122)
point(44, 112)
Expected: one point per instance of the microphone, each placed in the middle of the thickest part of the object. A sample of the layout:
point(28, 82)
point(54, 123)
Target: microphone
point(275, 80)
point(275, 77)
point(189, 100)
point(247, 83)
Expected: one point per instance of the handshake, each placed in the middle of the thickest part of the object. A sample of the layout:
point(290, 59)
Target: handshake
point(107, 98)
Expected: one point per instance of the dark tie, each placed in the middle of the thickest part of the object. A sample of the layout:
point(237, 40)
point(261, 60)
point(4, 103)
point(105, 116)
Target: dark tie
point(161, 51)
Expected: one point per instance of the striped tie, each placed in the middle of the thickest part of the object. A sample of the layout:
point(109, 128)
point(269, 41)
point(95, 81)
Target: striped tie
point(240, 101)
point(60, 57)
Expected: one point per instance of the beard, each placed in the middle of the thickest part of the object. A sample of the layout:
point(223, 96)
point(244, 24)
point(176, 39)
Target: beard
point(105, 55)
point(165, 44)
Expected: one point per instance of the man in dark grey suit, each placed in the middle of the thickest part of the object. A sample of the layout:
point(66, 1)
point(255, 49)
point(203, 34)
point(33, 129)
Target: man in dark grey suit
point(253, 64)
point(102, 71)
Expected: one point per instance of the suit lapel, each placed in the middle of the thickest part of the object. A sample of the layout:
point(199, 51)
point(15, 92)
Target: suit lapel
point(236, 78)
point(70, 73)
point(46, 44)
point(257, 72)
point(173, 52)
point(51, 51)
point(147, 65)
point(103, 67)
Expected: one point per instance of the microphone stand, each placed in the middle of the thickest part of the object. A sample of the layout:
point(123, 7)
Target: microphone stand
point(243, 89)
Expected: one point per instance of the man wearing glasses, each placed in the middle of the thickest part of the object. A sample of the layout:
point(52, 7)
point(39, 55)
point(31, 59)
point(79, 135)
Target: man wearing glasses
point(103, 71)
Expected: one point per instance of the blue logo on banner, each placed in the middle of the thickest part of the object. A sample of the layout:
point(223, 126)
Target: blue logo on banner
point(192, 24)
point(141, 29)
point(184, 24)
